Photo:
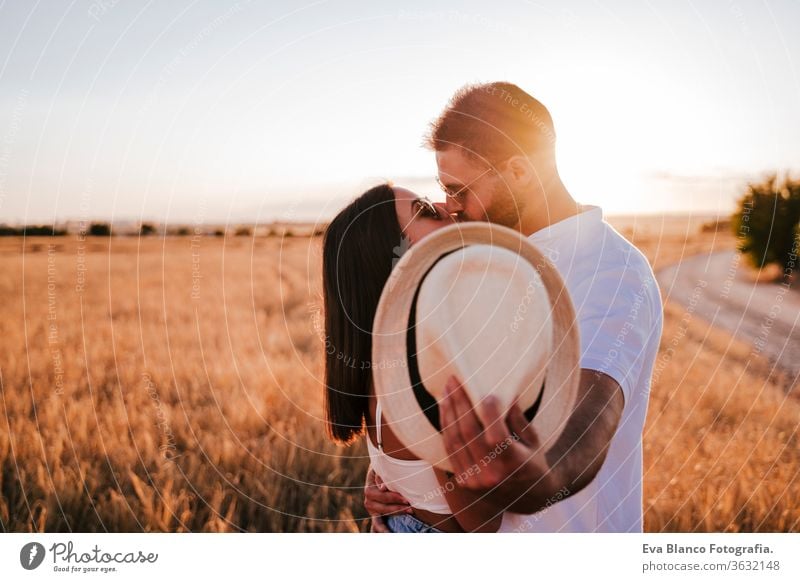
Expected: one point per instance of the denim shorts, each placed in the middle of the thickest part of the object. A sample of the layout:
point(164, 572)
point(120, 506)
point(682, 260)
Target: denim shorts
point(407, 523)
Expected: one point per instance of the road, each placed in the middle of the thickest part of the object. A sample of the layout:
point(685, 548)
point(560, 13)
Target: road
point(765, 315)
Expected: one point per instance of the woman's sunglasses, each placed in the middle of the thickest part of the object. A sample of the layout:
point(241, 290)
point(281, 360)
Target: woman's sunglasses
point(422, 207)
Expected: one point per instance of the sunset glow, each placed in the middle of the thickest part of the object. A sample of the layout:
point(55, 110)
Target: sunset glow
point(168, 113)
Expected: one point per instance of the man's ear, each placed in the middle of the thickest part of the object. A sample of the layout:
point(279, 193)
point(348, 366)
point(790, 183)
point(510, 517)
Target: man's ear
point(520, 169)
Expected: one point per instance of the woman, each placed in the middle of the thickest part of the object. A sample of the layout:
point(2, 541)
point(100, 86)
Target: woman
point(361, 245)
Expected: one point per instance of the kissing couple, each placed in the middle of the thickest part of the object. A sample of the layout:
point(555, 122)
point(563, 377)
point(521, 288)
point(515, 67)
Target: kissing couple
point(494, 350)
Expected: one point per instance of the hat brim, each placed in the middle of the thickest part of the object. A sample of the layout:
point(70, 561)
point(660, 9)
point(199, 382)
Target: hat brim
point(389, 348)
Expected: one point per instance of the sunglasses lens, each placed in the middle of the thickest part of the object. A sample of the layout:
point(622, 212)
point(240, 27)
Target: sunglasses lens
point(430, 209)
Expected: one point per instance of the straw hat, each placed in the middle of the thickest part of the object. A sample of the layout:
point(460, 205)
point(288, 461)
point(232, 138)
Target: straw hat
point(478, 301)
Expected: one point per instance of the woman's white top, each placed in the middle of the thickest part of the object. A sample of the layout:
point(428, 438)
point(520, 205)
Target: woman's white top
point(413, 479)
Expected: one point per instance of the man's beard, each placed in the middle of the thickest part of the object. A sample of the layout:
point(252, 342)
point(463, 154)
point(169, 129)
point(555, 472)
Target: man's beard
point(504, 209)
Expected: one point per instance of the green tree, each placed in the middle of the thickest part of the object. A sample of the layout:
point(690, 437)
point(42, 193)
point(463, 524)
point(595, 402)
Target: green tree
point(767, 222)
point(99, 229)
point(41, 230)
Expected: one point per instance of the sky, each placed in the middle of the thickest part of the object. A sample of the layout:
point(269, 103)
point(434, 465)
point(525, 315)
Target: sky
point(255, 111)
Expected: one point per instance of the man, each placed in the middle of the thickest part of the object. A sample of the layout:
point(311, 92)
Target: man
point(495, 151)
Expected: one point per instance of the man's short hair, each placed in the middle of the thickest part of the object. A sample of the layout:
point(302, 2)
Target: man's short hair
point(492, 122)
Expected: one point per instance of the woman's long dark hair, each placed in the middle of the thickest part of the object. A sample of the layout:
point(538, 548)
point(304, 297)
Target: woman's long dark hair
point(358, 251)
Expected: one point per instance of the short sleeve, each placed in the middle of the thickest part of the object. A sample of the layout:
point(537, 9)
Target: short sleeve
point(620, 322)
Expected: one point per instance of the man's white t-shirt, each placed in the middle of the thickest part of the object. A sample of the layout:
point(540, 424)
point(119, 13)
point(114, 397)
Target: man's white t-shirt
point(619, 313)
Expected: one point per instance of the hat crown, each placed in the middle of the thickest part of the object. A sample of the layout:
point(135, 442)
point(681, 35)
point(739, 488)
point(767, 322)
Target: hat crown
point(394, 385)
point(483, 314)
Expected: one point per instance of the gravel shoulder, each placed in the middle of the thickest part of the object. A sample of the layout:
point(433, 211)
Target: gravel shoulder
point(716, 287)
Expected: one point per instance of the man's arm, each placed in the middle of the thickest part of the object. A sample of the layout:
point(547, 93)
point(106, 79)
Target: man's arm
point(522, 477)
point(578, 454)
point(473, 512)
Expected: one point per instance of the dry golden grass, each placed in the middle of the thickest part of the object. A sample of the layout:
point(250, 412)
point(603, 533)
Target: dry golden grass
point(132, 405)
point(175, 413)
point(721, 440)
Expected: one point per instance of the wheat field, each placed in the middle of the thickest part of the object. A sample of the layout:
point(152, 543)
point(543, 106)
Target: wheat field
point(174, 384)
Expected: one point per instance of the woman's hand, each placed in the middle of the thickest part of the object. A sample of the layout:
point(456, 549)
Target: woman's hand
point(380, 502)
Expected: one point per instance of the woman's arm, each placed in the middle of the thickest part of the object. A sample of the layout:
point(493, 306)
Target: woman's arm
point(473, 510)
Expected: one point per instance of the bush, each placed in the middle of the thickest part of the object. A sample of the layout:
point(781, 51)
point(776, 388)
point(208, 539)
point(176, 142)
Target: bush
point(768, 222)
point(99, 229)
point(31, 230)
point(42, 230)
point(146, 229)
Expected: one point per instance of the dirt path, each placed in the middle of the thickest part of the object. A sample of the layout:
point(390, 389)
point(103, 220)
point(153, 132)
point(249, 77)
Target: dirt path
point(716, 288)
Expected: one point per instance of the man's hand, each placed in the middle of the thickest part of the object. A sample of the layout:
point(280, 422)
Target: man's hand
point(503, 458)
point(502, 454)
point(380, 502)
